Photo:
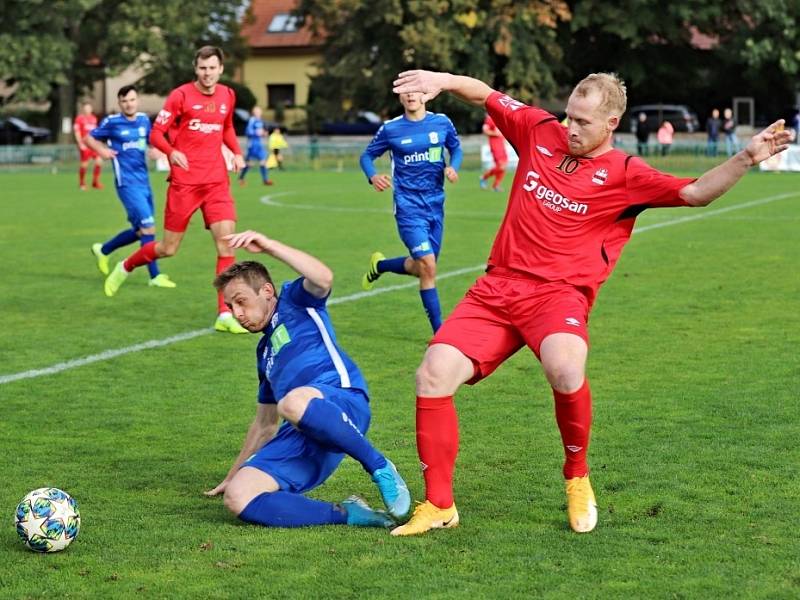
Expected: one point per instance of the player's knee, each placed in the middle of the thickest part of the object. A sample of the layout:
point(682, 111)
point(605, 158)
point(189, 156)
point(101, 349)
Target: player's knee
point(235, 499)
point(167, 250)
point(428, 269)
point(564, 376)
point(432, 377)
point(293, 405)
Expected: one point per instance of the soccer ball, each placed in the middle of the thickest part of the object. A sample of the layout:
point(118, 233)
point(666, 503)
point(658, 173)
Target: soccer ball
point(47, 520)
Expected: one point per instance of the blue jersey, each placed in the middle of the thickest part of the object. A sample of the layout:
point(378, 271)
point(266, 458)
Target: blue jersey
point(128, 137)
point(299, 348)
point(417, 153)
point(254, 131)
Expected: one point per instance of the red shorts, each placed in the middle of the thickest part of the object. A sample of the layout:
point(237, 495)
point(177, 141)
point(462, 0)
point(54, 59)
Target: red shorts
point(501, 314)
point(87, 154)
point(214, 199)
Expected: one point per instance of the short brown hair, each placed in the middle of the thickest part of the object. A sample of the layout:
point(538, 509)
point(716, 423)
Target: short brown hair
point(253, 273)
point(208, 52)
point(610, 86)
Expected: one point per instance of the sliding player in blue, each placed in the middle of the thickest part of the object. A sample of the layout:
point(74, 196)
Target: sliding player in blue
point(122, 139)
point(255, 147)
point(416, 140)
point(307, 379)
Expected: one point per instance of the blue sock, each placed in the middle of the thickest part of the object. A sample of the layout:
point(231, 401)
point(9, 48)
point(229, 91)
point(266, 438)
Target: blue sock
point(327, 423)
point(264, 173)
point(393, 265)
point(123, 238)
point(244, 171)
point(151, 266)
point(283, 509)
point(430, 300)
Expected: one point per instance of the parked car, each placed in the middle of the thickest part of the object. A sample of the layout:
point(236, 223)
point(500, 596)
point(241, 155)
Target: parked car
point(681, 116)
point(242, 116)
point(14, 131)
point(363, 122)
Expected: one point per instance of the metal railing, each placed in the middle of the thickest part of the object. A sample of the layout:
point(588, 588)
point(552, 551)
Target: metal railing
point(342, 154)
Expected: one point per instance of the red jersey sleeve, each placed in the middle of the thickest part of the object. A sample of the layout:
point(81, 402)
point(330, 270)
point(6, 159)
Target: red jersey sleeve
point(167, 120)
point(513, 118)
point(650, 186)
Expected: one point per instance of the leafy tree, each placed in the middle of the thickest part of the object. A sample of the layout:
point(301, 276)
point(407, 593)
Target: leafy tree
point(652, 44)
point(53, 50)
point(367, 43)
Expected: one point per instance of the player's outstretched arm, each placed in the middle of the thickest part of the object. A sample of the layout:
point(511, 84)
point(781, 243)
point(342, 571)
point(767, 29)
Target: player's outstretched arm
point(430, 83)
point(712, 184)
point(261, 430)
point(318, 278)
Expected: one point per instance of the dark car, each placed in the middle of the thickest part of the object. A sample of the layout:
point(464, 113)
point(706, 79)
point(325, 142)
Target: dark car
point(14, 131)
point(241, 117)
point(364, 122)
point(681, 116)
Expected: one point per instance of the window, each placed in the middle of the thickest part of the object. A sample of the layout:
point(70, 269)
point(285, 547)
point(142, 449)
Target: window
point(282, 23)
point(280, 95)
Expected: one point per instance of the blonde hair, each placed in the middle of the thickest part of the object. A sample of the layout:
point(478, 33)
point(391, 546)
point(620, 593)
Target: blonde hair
point(610, 86)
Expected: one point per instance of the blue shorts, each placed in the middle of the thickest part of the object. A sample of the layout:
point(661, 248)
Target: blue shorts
point(138, 203)
point(422, 234)
point(297, 462)
point(420, 223)
point(256, 152)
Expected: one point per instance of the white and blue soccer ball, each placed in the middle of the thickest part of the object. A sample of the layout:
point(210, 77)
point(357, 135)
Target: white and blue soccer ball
point(47, 520)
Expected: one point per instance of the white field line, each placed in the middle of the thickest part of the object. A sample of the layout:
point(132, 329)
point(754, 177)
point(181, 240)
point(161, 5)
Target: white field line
point(109, 354)
point(269, 200)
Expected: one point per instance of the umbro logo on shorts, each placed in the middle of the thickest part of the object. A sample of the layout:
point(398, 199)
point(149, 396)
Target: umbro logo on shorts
point(572, 321)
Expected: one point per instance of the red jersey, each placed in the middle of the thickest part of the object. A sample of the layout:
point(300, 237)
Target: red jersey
point(497, 143)
point(569, 217)
point(198, 125)
point(84, 124)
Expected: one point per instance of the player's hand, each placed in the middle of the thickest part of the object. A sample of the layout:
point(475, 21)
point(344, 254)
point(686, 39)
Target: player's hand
point(451, 174)
point(220, 489)
point(381, 182)
point(252, 241)
point(769, 142)
point(107, 153)
point(427, 82)
point(238, 163)
point(179, 159)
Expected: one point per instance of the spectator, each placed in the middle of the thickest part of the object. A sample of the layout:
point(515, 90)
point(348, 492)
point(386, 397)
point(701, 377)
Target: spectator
point(665, 135)
point(276, 143)
point(729, 129)
point(712, 129)
point(796, 125)
point(642, 135)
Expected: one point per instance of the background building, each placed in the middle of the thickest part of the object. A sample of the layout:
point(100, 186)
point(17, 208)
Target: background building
point(281, 61)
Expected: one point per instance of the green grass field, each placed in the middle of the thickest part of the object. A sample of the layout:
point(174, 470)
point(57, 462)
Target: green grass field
point(694, 369)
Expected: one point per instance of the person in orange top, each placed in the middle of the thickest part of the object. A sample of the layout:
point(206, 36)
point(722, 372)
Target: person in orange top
point(665, 135)
point(497, 144)
point(84, 123)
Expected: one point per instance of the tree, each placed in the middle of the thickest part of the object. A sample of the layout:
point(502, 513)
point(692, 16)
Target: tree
point(654, 46)
point(367, 43)
point(53, 50)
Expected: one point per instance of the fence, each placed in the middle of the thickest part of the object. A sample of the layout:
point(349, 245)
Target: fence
point(342, 155)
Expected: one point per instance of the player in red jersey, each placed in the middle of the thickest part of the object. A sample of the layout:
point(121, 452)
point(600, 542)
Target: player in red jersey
point(571, 210)
point(198, 117)
point(497, 144)
point(84, 123)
